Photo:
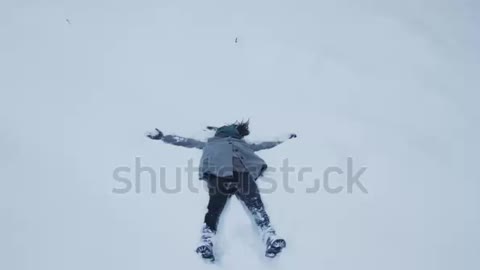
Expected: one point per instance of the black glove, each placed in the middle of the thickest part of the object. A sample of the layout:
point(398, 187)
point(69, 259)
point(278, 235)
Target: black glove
point(155, 135)
point(293, 135)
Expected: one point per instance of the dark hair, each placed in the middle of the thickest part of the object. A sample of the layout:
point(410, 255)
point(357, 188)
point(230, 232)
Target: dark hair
point(243, 128)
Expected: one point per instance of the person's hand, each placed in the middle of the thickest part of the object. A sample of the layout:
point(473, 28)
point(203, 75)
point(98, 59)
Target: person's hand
point(155, 135)
point(293, 135)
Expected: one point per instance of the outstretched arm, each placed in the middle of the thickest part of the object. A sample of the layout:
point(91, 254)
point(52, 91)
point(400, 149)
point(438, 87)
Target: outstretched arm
point(268, 145)
point(176, 140)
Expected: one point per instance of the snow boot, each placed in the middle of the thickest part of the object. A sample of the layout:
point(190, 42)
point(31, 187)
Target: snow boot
point(205, 248)
point(274, 243)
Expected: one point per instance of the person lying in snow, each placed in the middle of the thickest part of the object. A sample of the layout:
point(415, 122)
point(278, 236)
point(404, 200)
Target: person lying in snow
point(230, 167)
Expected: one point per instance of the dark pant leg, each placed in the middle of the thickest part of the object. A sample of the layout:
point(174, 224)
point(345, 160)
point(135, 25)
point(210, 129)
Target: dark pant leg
point(219, 193)
point(248, 193)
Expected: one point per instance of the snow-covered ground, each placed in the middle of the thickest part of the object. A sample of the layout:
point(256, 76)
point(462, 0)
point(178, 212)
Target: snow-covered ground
point(392, 84)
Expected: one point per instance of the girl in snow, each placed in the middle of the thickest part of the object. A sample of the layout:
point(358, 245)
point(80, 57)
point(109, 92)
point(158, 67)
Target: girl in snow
point(230, 167)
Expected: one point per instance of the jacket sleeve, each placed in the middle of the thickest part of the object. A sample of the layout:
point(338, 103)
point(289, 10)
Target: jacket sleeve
point(264, 145)
point(181, 141)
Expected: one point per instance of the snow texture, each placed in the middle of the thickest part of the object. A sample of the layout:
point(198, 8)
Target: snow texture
point(392, 84)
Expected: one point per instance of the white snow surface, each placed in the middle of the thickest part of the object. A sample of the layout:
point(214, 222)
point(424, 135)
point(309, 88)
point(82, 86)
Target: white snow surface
point(392, 84)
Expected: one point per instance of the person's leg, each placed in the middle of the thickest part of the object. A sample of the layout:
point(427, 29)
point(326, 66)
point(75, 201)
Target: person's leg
point(218, 197)
point(217, 200)
point(249, 194)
